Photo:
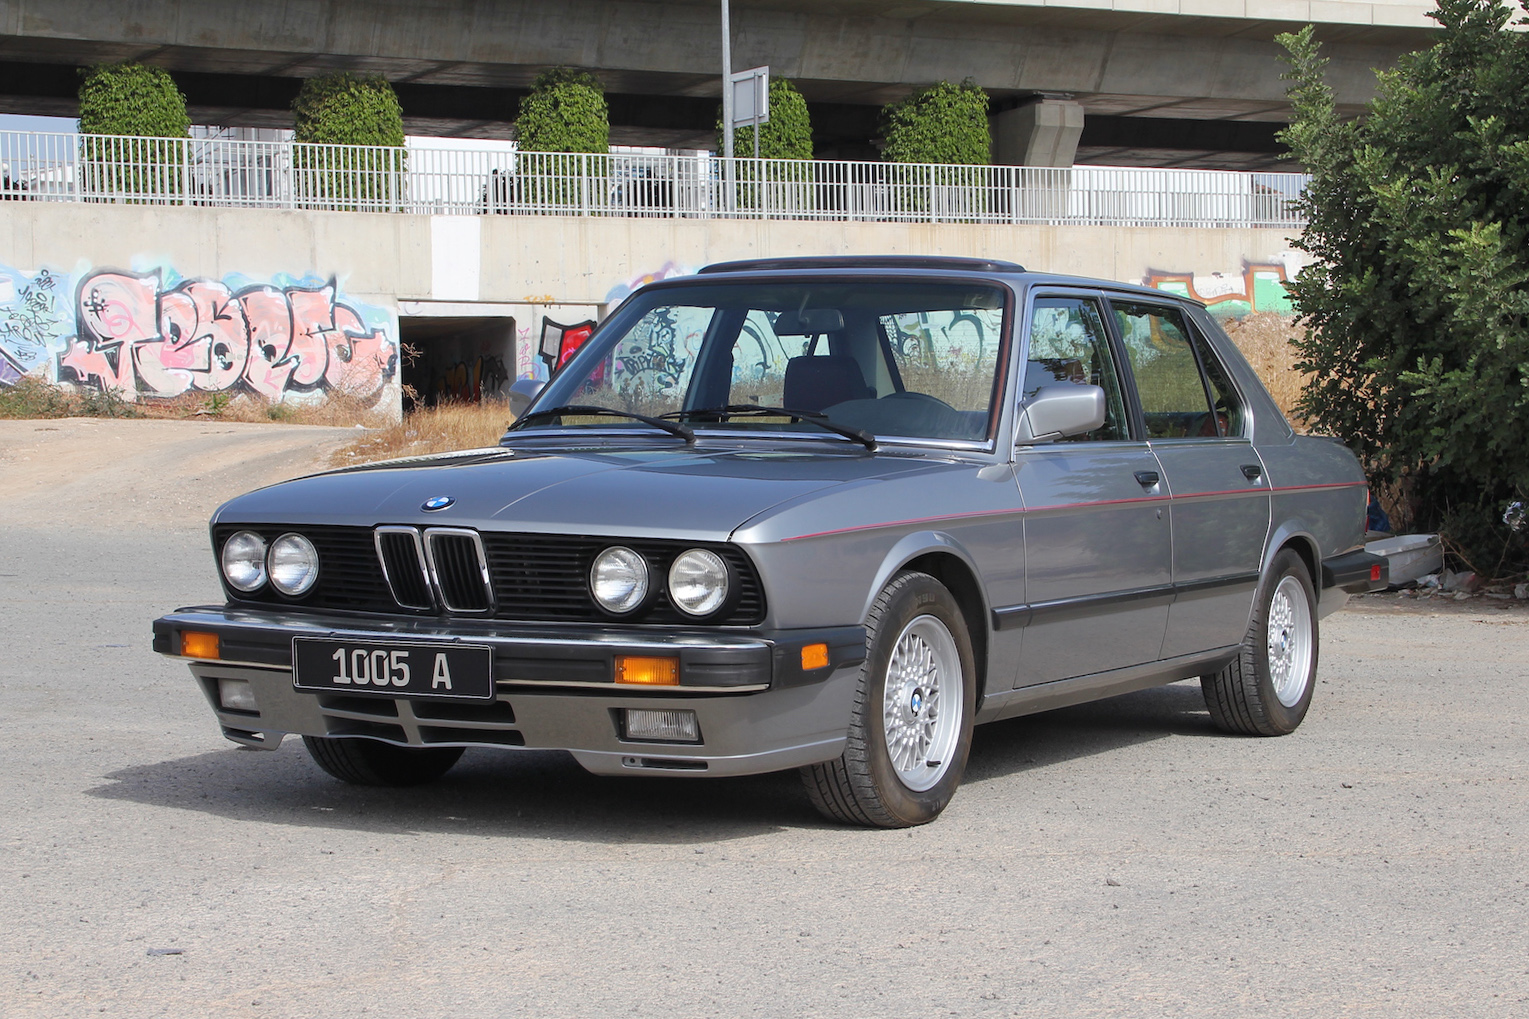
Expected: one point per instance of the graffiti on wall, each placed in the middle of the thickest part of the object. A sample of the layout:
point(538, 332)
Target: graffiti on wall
point(1260, 286)
point(469, 381)
point(621, 291)
point(153, 335)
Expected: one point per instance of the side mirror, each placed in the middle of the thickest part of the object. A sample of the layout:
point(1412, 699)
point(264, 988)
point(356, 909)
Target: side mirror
point(1056, 412)
point(522, 393)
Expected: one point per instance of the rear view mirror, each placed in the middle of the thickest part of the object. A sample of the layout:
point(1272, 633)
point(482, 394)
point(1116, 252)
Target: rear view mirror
point(809, 322)
point(522, 393)
point(1056, 412)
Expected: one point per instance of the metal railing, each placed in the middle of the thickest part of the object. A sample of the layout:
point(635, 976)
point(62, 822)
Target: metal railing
point(291, 175)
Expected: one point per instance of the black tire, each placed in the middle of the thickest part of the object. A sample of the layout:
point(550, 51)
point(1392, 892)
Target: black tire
point(372, 762)
point(1251, 696)
point(864, 786)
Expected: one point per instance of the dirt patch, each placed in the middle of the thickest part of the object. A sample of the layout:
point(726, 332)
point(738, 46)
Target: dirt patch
point(144, 472)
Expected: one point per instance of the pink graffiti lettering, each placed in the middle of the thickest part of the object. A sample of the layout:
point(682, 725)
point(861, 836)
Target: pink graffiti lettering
point(140, 340)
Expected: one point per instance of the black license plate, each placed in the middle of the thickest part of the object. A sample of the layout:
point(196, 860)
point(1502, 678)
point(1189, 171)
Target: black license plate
point(393, 668)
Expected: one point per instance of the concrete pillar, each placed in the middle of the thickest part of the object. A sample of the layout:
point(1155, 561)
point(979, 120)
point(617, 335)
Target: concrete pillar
point(1041, 133)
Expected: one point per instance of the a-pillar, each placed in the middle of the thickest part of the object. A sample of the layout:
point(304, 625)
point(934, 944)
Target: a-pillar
point(1040, 133)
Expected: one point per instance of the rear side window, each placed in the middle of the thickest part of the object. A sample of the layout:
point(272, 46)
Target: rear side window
point(1174, 399)
point(1069, 346)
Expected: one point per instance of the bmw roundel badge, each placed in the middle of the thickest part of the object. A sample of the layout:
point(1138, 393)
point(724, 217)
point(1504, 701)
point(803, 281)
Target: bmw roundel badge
point(438, 502)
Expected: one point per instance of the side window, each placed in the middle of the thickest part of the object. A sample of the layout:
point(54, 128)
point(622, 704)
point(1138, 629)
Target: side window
point(1168, 379)
point(1068, 346)
point(1229, 415)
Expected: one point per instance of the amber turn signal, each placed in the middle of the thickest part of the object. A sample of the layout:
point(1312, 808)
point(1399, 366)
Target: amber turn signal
point(198, 645)
point(637, 670)
point(815, 656)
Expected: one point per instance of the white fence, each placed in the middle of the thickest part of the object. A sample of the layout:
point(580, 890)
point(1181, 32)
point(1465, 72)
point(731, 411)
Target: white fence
point(289, 175)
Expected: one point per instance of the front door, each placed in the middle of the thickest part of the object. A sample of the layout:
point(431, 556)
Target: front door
point(1097, 535)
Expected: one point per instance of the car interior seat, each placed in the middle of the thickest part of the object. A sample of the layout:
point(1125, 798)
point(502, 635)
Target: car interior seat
point(814, 382)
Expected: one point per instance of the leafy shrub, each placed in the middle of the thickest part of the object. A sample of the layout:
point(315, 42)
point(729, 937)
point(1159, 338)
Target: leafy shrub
point(786, 135)
point(1417, 310)
point(346, 109)
point(942, 123)
point(144, 104)
point(564, 112)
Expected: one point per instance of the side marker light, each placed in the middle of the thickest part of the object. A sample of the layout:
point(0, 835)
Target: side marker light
point(815, 656)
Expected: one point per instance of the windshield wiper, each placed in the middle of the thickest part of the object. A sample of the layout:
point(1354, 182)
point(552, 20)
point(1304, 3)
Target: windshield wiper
point(754, 410)
point(678, 430)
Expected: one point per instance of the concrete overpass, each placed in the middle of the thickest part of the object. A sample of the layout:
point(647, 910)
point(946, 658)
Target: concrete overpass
point(1125, 82)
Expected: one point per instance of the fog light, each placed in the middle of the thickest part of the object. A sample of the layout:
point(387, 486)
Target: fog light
point(638, 670)
point(666, 726)
point(236, 695)
point(199, 645)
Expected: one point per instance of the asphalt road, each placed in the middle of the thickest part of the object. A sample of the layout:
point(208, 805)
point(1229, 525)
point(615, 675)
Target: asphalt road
point(1118, 859)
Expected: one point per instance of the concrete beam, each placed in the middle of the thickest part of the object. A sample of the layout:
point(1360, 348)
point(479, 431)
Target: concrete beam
point(1041, 133)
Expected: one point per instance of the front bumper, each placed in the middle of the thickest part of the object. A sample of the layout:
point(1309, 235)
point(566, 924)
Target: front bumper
point(757, 708)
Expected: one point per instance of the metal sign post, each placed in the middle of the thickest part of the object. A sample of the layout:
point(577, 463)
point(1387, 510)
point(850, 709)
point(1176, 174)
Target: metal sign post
point(751, 100)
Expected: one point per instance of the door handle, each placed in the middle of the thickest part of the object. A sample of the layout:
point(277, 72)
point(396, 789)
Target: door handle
point(1147, 478)
point(1252, 471)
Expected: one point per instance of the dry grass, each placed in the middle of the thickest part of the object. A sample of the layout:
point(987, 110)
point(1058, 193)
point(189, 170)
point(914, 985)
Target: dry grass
point(1264, 339)
point(31, 397)
point(434, 430)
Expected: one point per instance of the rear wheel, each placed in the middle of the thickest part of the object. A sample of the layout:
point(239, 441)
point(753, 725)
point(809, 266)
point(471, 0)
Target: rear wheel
point(1267, 689)
point(911, 729)
point(371, 762)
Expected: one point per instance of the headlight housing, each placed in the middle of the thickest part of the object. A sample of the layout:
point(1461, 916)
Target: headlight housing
point(293, 564)
point(698, 582)
point(243, 561)
point(618, 580)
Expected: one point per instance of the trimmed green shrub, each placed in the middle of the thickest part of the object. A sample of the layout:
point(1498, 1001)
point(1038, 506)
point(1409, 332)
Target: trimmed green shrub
point(942, 123)
point(564, 115)
point(132, 99)
point(346, 109)
point(143, 103)
point(564, 112)
point(1417, 308)
point(786, 135)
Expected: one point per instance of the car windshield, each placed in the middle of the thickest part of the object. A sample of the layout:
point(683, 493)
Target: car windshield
point(895, 358)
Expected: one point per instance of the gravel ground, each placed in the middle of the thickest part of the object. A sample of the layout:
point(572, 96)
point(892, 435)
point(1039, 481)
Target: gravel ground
point(1116, 859)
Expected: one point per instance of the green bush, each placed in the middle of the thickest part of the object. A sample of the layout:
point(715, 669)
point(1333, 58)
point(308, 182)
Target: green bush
point(564, 112)
point(942, 123)
point(786, 135)
point(346, 109)
point(564, 115)
point(144, 104)
point(1417, 308)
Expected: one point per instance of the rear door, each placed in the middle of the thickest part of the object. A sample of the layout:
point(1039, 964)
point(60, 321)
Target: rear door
point(1097, 536)
point(1197, 427)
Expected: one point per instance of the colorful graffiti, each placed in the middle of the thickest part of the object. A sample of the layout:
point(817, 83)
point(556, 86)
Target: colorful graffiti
point(33, 313)
point(466, 382)
point(560, 342)
point(152, 335)
point(1259, 287)
point(621, 291)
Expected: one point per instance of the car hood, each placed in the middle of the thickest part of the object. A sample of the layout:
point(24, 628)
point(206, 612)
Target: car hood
point(698, 494)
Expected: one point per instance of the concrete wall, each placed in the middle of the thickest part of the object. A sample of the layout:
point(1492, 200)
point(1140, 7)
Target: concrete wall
point(164, 300)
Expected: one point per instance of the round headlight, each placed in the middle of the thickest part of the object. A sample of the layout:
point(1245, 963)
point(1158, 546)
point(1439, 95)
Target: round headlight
point(243, 560)
point(698, 582)
point(294, 564)
point(619, 580)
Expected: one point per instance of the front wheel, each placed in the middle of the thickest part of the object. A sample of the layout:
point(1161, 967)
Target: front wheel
point(911, 729)
point(1267, 689)
point(372, 762)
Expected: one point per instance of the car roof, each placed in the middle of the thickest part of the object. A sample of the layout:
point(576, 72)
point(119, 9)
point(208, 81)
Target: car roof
point(932, 265)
